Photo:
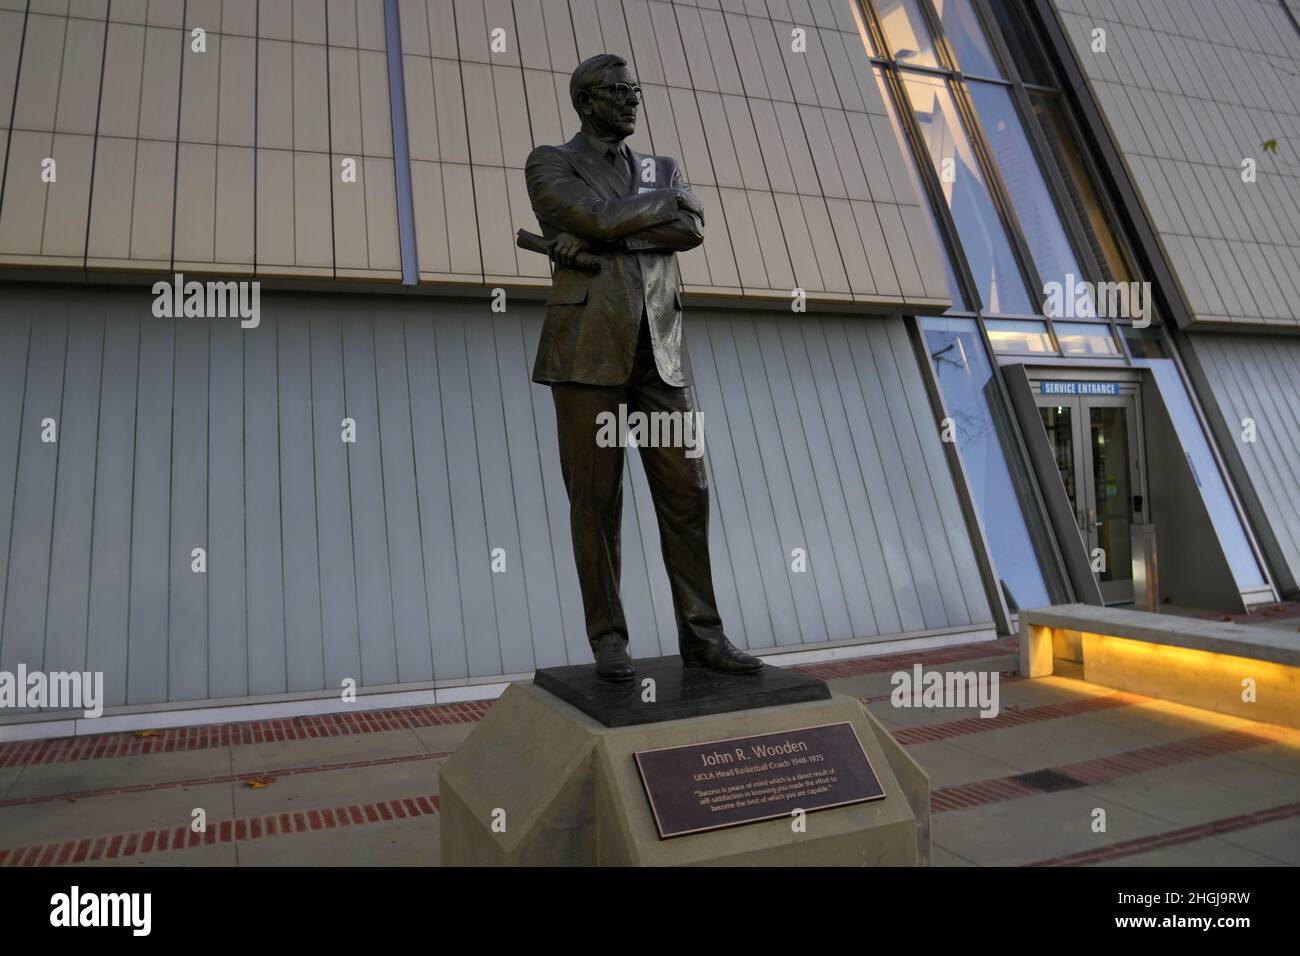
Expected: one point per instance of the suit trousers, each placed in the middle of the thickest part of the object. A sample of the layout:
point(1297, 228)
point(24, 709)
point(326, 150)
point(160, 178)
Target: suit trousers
point(593, 477)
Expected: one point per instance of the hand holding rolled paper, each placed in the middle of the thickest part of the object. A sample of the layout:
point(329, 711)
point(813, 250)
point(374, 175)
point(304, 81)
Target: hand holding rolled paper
point(547, 247)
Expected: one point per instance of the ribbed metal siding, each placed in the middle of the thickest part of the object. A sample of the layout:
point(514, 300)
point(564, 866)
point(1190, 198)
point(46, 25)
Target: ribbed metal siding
point(1257, 377)
point(373, 560)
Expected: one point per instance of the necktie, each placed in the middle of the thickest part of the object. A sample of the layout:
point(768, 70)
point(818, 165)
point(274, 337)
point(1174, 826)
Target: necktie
point(620, 164)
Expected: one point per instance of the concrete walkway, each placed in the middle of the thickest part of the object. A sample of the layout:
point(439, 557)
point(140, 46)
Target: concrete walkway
point(1178, 786)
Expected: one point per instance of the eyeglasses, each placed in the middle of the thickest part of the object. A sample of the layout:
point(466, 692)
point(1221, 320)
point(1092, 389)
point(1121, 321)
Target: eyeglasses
point(621, 90)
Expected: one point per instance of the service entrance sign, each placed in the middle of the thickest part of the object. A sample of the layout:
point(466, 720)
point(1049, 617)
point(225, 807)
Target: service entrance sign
point(1057, 387)
point(726, 783)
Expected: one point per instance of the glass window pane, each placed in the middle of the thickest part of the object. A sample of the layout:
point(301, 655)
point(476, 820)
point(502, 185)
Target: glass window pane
point(1227, 524)
point(1103, 239)
point(1036, 212)
point(1144, 343)
point(906, 32)
point(1019, 338)
point(1083, 338)
point(954, 290)
point(982, 430)
point(983, 237)
point(966, 36)
point(1021, 41)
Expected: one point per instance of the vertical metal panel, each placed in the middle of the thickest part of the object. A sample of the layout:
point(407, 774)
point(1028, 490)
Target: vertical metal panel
point(433, 496)
point(871, 441)
point(275, 89)
point(264, 558)
point(196, 202)
point(462, 219)
point(349, 199)
point(83, 50)
point(22, 639)
point(188, 640)
point(152, 560)
point(430, 217)
point(369, 525)
point(151, 213)
point(110, 550)
point(11, 41)
point(303, 647)
point(313, 213)
point(557, 506)
point(500, 509)
point(492, 205)
point(757, 529)
point(482, 639)
point(383, 251)
point(536, 561)
point(1257, 378)
point(376, 120)
point(401, 510)
point(275, 208)
point(160, 83)
point(345, 101)
point(227, 657)
point(338, 585)
point(38, 84)
point(15, 331)
point(234, 225)
point(643, 592)
point(23, 214)
point(310, 106)
point(68, 202)
point(201, 89)
point(373, 561)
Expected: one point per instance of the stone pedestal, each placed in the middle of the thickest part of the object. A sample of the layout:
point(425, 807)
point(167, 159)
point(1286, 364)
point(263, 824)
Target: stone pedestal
point(539, 782)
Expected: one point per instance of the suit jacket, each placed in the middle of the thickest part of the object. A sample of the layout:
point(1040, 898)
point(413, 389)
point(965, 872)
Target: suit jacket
point(635, 227)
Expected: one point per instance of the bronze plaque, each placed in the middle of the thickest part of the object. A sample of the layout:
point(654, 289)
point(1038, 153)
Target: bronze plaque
point(727, 783)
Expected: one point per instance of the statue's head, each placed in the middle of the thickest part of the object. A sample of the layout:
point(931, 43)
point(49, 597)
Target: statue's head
point(606, 96)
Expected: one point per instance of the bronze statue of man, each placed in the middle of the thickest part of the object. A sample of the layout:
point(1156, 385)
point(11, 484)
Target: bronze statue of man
point(613, 337)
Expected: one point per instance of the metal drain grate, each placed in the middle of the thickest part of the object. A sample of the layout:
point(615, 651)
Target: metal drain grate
point(1049, 781)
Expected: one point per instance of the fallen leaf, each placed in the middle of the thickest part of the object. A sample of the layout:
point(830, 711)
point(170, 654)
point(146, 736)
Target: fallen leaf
point(257, 783)
point(147, 733)
point(1270, 146)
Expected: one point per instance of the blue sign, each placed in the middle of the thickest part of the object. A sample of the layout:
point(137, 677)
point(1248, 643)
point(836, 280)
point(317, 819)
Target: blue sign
point(1079, 388)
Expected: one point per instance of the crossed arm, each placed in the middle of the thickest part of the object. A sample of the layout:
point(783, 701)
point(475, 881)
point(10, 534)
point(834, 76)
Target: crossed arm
point(661, 220)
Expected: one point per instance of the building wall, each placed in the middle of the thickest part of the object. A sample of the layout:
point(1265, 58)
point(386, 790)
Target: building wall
point(1257, 378)
point(372, 560)
point(228, 161)
point(222, 161)
point(1190, 89)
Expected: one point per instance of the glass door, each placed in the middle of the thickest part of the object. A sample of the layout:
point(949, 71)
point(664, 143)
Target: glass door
point(1113, 492)
point(1095, 440)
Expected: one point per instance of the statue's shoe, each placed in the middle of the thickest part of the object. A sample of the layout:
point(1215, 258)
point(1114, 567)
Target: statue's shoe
point(724, 658)
point(613, 663)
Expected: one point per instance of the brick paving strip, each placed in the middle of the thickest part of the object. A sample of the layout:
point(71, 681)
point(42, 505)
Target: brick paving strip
point(907, 737)
point(1156, 841)
point(1101, 769)
point(25, 753)
point(219, 778)
point(1015, 717)
point(860, 666)
point(118, 845)
point(1070, 776)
